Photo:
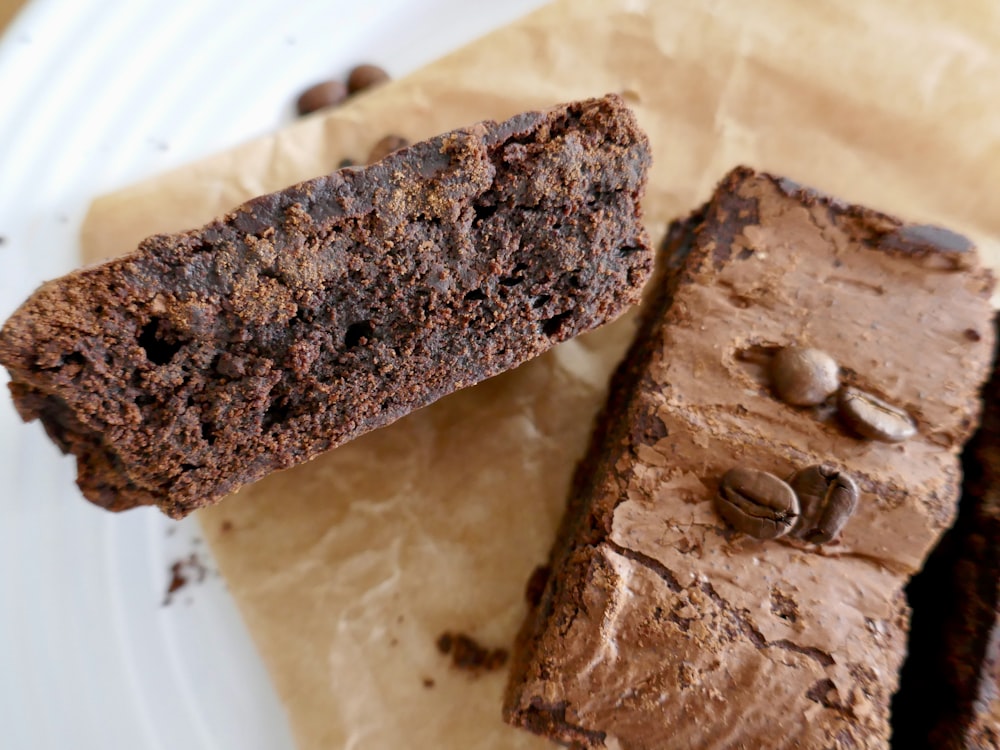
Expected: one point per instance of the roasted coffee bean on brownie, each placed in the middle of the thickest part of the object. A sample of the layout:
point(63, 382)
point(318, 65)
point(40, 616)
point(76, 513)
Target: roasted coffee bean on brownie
point(663, 625)
point(307, 317)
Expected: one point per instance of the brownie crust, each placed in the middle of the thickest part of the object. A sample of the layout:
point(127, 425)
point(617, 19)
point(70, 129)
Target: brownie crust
point(659, 626)
point(949, 697)
point(207, 359)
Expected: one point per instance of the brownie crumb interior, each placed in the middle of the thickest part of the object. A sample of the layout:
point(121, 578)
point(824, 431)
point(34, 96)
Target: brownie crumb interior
point(307, 317)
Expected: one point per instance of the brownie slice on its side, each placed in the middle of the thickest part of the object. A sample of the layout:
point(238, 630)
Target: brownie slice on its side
point(949, 696)
point(662, 627)
point(307, 317)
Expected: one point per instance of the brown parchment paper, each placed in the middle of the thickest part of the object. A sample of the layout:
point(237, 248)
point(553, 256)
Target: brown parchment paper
point(348, 568)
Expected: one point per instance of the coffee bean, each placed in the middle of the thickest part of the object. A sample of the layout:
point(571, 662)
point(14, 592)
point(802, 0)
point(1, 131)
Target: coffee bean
point(386, 146)
point(364, 77)
point(871, 417)
point(803, 377)
point(321, 95)
point(827, 499)
point(756, 503)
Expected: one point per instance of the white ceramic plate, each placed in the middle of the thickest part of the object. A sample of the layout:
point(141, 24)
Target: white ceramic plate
point(93, 95)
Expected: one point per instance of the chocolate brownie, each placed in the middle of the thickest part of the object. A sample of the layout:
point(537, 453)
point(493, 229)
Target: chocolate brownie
point(663, 626)
point(949, 697)
point(307, 317)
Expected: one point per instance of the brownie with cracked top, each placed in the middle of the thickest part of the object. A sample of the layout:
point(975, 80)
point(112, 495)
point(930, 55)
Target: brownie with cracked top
point(307, 317)
point(661, 627)
point(949, 698)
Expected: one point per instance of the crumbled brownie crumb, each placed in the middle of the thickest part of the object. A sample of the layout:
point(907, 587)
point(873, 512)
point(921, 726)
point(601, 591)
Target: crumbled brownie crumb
point(467, 654)
point(182, 572)
point(177, 580)
point(784, 606)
